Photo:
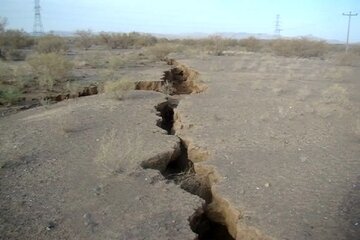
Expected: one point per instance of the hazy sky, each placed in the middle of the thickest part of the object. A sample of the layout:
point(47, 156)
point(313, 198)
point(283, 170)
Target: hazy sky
point(321, 18)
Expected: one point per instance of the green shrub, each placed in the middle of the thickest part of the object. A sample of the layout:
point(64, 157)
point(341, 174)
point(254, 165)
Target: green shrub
point(50, 68)
point(9, 94)
point(51, 44)
point(303, 48)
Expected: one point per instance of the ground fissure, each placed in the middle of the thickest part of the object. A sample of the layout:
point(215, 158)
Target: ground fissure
point(181, 169)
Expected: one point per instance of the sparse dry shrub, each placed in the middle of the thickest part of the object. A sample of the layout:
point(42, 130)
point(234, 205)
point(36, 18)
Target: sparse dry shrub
point(10, 43)
point(335, 94)
point(126, 40)
point(302, 47)
point(51, 44)
point(15, 75)
point(84, 39)
point(50, 68)
point(159, 51)
point(119, 88)
point(143, 40)
point(251, 44)
point(15, 39)
point(215, 45)
point(118, 153)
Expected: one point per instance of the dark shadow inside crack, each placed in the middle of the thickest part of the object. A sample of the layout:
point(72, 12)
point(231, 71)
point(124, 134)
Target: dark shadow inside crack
point(166, 112)
point(181, 171)
point(207, 229)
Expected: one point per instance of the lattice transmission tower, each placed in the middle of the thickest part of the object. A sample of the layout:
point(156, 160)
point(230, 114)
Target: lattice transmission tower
point(277, 26)
point(38, 29)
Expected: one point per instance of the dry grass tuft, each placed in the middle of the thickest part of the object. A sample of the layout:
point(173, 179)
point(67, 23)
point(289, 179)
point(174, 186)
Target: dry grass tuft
point(114, 156)
point(335, 94)
point(119, 88)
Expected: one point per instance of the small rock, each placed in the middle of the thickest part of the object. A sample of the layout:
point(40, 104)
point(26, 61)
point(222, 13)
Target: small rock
point(97, 190)
point(51, 225)
point(267, 185)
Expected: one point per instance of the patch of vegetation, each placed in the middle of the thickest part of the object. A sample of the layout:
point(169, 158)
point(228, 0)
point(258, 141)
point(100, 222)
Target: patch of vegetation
point(10, 43)
point(50, 68)
point(159, 51)
point(302, 47)
point(51, 44)
point(119, 88)
point(215, 45)
point(126, 40)
point(84, 39)
point(251, 44)
point(9, 94)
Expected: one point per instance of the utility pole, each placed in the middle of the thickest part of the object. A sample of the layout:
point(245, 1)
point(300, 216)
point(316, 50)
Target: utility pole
point(277, 26)
point(38, 27)
point(348, 32)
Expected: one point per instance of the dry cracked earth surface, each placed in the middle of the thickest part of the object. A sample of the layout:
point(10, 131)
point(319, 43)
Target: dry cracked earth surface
point(250, 147)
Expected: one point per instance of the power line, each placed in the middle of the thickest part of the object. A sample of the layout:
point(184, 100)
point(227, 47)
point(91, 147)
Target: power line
point(348, 32)
point(38, 26)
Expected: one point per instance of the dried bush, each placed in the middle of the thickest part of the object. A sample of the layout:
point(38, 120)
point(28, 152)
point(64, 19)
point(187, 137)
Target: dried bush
point(119, 88)
point(126, 40)
point(10, 43)
point(51, 44)
point(15, 39)
point(159, 51)
point(84, 39)
point(50, 68)
point(302, 47)
point(251, 44)
point(215, 45)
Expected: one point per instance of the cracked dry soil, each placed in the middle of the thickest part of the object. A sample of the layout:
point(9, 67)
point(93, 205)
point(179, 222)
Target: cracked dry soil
point(181, 171)
point(55, 178)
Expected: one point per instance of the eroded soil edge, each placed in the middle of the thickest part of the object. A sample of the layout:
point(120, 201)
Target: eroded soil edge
point(216, 219)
